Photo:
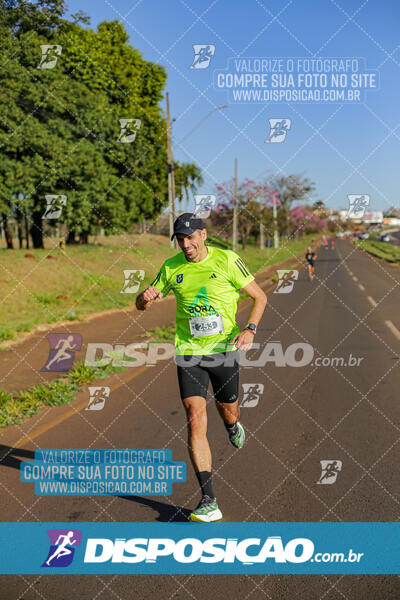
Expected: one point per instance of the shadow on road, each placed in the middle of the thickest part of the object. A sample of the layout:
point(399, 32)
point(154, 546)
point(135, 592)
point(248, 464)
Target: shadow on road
point(8, 456)
point(167, 512)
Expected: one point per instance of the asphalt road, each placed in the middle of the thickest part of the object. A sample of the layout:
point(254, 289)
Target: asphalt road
point(306, 414)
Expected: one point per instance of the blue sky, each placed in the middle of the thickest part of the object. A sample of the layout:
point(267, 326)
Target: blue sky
point(345, 148)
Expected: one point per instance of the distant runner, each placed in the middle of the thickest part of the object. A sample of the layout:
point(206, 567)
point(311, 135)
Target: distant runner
point(310, 258)
point(206, 283)
point(332, 243)
point(325, 242)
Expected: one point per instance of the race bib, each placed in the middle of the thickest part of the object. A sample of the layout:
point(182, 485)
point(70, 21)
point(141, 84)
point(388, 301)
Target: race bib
point(201, 326)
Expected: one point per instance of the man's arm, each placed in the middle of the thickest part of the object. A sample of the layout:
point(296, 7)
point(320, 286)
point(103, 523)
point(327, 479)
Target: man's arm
point(146, 298)
point(244, 339)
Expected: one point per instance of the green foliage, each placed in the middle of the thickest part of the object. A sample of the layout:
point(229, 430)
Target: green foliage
point(59, 127)
point(6, 334)
point(25, 404)
point(46, 298)
point(380, 249)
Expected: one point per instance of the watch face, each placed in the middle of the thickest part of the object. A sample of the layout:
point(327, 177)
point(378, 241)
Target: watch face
point(251, 326)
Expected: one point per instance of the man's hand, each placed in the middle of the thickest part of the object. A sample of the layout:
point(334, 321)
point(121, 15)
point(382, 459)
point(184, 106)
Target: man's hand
point(243, 340)
point(147, 297)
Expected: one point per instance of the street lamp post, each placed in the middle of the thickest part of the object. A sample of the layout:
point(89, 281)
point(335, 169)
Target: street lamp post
point(171, 175)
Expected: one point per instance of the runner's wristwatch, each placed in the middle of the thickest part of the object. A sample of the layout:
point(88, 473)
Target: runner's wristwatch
point(251, 327)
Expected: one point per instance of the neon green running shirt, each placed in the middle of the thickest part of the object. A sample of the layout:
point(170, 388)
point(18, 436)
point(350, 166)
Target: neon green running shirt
point(204, 289)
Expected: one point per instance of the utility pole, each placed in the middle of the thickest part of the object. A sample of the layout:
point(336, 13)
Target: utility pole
point(235, 213)
point(276, 235)
point(171, 176)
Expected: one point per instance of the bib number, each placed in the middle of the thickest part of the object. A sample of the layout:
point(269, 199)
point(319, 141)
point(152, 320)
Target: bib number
point(202, 326)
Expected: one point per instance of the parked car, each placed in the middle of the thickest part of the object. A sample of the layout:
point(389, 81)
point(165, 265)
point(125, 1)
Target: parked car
point(384, 238)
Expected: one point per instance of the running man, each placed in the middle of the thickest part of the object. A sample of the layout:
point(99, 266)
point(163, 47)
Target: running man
point(62, 549)
point(63, 345)
point(206, 283)
point(310, 258)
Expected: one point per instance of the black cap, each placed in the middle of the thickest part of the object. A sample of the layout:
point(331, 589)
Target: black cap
point(187, 224)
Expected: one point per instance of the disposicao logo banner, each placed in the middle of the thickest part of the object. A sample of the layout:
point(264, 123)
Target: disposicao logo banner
point(217, 548)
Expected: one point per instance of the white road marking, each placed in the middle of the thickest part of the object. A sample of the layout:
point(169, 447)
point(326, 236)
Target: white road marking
point(362, 288)
point(393, 329)
point(372, 301)
point(355, 278)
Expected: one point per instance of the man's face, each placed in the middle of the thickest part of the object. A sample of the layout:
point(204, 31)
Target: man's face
point(193, 244)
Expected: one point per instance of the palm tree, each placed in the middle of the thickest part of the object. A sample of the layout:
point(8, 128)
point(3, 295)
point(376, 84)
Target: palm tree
point(193, 179)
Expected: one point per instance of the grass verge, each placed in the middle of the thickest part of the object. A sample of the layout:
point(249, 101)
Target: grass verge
point(89, 279)
point(380, 249)
point(15, 408)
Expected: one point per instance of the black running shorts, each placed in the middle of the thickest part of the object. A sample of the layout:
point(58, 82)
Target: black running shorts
point(195, 372)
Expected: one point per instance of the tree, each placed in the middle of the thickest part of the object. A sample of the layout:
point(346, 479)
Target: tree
point(188, 177)
point(248, 209)
point(60, 127)
point(292, 188)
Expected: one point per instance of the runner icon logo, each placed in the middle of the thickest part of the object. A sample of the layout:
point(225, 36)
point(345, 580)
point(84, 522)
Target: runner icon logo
point(358, 203)
point(133, 277)
point(287, 277)
point(129, 129)
point(50, 54)
point(62, 351)
point(204, 203)
point(98, 396)
point(202, 56)
point(62, 547)
point(54, 206)
point(329, 471)
point(251, 394)
point(278, 129)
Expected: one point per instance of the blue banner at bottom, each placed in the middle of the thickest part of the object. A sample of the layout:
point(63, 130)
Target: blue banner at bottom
point(217, 548)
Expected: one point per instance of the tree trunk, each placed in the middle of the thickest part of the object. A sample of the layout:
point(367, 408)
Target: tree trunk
point(84, 237)
point(71, 237)
point(26, 232)
point(262, 236)
point(19, 228)
point(36, 230)
point(186, 200)
point(7, 232)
